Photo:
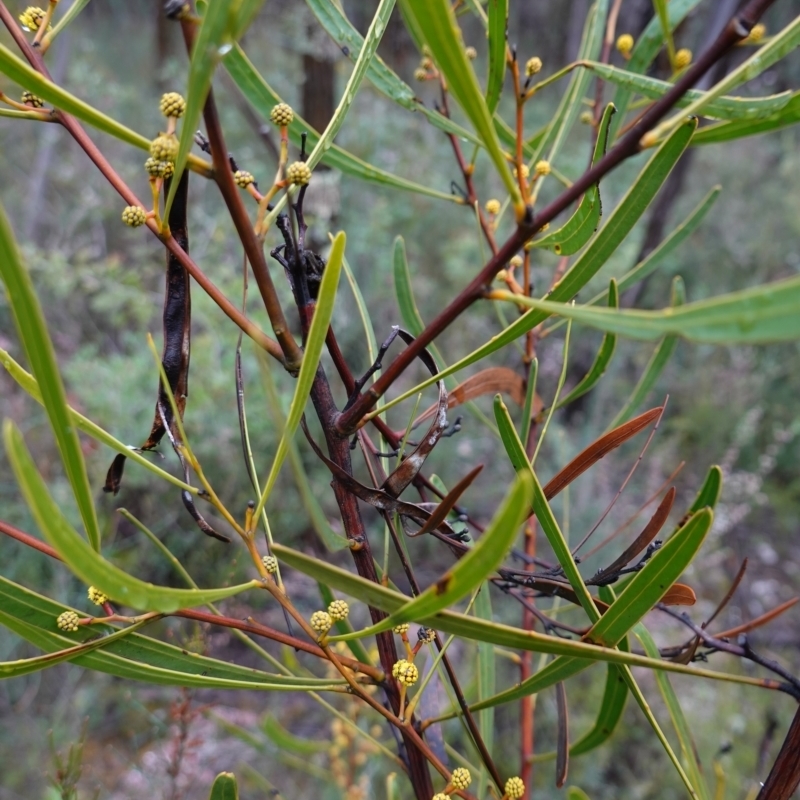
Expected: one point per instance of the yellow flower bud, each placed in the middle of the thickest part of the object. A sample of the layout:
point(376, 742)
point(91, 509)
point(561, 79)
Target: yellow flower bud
point(321, 621)
point(542, 168)
point(282, 114)
point(683, 58)
point(532, 66)
point(96, 596)
point(493, 206)
point(405, 672)
point(514, 788)
point(460, 778)
point(625, 44)
point(172, 105)
point(298, 173)
point(338, 609)
point(471, 53)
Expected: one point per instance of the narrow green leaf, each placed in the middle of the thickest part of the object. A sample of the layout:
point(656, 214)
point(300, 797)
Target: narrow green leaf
point(728, 131)
point(313, 351)
point(601, 360)
point(606, 241)
point(762, 314)
point(224, 787)
point(262, 97)
point(33, 617)
point(85, 562)
point(727, 108)
point(652, 372)
point(216, 33)
point(688, 750)
point(29, 384)
point(470, 570)
point(437, 23)
point(288, 741)
point(519, 460)
point(662, 13)
point(496, 32)
point(32, 329)
point(25, 666)
point(576, 793)
point(530, 394)
point(382, 77)
point(74, 9)
point(402, 287)
point(578, 229)
point(389, 600)
point(709, 492)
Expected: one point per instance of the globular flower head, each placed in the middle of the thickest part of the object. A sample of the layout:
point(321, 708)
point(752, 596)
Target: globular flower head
point(32, 18)
point(30, 99)
point(401, 629)
point(516, 261)
point(461, 778)
point(532, 66)
point(172, 104)
point(405, 672)
point(470, 53)
point(515, 788)
point(134, 216)
point(321, 621)
point(159, 169)
point(96, 596)
point(683, 58)
point(243, 178)
point(282, 114)
point(625, 43)
point(426, 635)
point(338, 610)
point(270, 564)
point(298, 173)
point(68, 621)
point(420, 74)
point(542, 168)
point(587, 118)
point(440, 796)
point(164, 147)
point(525, 171)
point(757, 33)
point(493, 206)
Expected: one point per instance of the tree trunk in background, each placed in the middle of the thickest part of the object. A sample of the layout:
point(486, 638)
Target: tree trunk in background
point(318, 95)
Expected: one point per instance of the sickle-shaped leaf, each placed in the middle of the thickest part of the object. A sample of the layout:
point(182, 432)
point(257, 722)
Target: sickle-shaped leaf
point(313, 350)
point(32, 329)
point(436, 21)
point(471, 570)
point(578, 229)
point(601, 360)
point(85, 562)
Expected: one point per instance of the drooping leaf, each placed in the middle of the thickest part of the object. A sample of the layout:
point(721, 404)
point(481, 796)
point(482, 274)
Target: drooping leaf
point(728, 131)
point(32, 328)
point(85, 562)
point(288, 741)
point(409, 312)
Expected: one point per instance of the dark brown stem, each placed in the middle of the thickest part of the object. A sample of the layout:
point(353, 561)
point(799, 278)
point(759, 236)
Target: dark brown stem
point(244, 227)
point(784, 777)
point(736, 30)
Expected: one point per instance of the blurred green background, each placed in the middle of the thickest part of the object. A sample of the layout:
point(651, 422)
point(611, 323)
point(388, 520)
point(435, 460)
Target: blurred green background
point(101, 285)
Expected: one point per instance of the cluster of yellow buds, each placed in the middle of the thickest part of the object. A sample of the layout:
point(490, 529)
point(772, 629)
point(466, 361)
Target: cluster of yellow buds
point(756, 34)
point(159, 169)
point(270, 564)
point(298, 173)
point(426, 70)
point(405, 672)
point(32, 18)
point(242, 178)
point(426, 635)
point(471, 53)
point(134, 216)
point(516, 261)
point(96, 596)
point(401, 629)
point(30, 99)
point(282, 115)
point(461, 778)
point(321, 621)
point(164, 147)
point(338, 610)
point(68, 621)
point(172, 105)
point(514, 788)
point(492, 206)
point(533, 66)
point(524, 170)
point(625, 44)
point(683, 58)
point(542, 168)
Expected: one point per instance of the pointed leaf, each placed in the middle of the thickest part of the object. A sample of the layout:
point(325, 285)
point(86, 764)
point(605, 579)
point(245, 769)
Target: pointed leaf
point(496, 33)
point(409, 312)
point(224, 787)
point(728, 131)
